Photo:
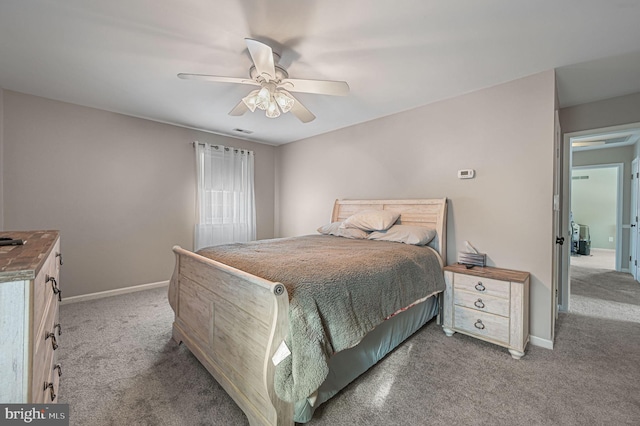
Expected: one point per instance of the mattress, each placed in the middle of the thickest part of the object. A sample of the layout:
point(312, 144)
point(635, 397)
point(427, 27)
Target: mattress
point(339, 290)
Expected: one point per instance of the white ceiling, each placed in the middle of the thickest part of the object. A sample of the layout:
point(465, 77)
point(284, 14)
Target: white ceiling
point(123, 56)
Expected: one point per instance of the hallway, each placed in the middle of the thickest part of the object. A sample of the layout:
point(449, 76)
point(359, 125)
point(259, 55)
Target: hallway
point(604, 293)
point(598, 258)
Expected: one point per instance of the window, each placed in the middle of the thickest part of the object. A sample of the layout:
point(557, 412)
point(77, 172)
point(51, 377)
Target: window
point(225, 195)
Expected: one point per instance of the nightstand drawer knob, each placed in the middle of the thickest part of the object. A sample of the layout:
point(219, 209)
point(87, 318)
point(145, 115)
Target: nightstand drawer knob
point(479, 303)
point(480, 286)
point(479, 325)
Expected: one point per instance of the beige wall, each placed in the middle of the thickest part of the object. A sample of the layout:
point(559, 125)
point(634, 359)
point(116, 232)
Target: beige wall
point(593, 203)
point(121, 190)
point(601, 114)
point(505, 133)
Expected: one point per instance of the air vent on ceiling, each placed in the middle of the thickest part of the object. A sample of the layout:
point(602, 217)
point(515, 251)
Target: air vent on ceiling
point(246, 132)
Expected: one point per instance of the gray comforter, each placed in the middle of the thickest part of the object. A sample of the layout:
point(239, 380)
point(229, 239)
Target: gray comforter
point(339, 290)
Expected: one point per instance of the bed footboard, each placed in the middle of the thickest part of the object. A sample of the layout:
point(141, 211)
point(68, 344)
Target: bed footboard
point(233, 322)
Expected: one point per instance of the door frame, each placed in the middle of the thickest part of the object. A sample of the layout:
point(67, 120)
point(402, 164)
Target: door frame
point(559, 246)
point(565, 285)
point(567, 162)
point(633, 220)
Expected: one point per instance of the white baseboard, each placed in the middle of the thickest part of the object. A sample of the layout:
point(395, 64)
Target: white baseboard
point(115, 292)
point(543, 343)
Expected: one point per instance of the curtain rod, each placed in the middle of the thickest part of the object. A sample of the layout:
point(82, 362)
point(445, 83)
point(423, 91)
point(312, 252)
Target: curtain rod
point(226, 148)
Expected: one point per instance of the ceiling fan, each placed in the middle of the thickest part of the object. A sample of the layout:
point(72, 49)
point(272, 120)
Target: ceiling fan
point(274, 95)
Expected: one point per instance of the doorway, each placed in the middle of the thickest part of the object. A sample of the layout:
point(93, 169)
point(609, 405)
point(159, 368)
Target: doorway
point(596, 216)
point(607, 146)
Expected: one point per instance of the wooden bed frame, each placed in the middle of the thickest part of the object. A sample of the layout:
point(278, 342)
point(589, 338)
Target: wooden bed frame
point(233, 321)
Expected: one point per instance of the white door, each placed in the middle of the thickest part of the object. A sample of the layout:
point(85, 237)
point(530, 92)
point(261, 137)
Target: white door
point(633, 249)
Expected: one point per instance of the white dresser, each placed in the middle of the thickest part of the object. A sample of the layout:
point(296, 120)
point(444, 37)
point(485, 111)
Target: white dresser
point(29, 324)
point(491, 304)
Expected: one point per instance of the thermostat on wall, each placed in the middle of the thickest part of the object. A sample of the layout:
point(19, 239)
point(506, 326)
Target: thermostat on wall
point(466, 174)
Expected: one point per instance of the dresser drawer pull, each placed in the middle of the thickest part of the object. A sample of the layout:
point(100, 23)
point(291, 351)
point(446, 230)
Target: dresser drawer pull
point(54, 343)
point(59, 327)
point(50, 387)
point(478, 304)
point(480, 286)
point(479, 325)
point(54, 286)
point(60, 256)
point(59, 368)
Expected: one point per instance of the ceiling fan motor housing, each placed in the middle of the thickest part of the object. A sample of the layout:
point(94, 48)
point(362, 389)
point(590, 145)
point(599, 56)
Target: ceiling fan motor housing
point(281, 74)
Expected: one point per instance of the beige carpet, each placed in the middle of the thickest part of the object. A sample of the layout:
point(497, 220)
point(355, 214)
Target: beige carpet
point(120, 367)
point(606, 294)
point(597, 259)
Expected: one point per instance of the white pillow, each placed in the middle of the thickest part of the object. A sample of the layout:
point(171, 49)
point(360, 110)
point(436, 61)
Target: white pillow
point(371, 220)
point(408, 234)
point(336, 229)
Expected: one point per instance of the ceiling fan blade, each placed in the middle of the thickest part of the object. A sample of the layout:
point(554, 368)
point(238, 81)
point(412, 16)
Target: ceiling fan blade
point(262, 56)
point(217, 79)
point(300, 110)
point(322, 87)
point(239, 109)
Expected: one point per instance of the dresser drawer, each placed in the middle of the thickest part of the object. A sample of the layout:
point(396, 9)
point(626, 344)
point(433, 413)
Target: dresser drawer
point(490, 326)
point(480, 285)
point(44, 352)
point(42, 376)
point(43, 294)
point(56, 261)
point(51, 385)
point(482, 302)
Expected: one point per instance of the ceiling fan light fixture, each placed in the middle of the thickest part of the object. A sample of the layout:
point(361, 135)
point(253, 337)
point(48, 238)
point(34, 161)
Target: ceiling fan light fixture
point(272, 110)
point(251, 100)
point(263, 98)
point(284, 101)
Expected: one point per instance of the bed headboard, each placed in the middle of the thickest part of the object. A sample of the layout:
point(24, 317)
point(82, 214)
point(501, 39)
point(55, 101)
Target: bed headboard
point(430, 213)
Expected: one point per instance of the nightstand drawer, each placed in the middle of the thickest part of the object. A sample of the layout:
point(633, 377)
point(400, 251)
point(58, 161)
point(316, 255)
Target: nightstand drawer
point(481, 302)
point(488, 303)
point(490, 326)
point(481, 285)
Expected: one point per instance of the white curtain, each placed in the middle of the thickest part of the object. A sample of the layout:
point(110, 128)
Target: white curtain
point(225, 195)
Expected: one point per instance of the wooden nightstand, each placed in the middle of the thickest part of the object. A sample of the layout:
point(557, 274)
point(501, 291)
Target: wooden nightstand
point(491, 304)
